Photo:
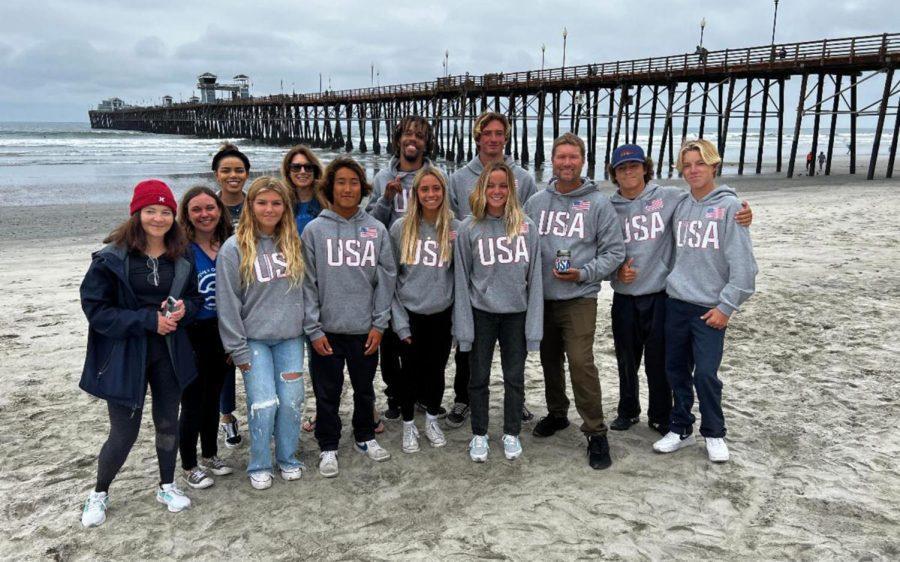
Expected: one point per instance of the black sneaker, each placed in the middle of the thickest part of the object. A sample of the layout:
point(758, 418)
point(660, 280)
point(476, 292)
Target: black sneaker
point(622, 424)
point(442, 412)
point(598, 452)
point(549, 425)
point(660, 427)
point(527, 416)
point(391, 414)
point(457, 415)
point(232, 436)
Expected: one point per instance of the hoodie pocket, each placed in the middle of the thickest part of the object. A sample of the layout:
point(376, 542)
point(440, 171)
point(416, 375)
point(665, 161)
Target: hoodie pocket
point(105, 364)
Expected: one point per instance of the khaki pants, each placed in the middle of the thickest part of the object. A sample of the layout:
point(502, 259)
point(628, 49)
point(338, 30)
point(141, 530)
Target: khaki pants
point(569, 328)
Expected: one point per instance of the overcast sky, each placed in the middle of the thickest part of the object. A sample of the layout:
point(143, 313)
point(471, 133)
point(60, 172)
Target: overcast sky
point(60, 57)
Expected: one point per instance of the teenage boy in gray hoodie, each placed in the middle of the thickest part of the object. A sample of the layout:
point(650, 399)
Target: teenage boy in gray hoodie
point(348, 289)
point(713, 274)
point(577, 225)
point(491, 133)
point(645, 211)
point(413, 141)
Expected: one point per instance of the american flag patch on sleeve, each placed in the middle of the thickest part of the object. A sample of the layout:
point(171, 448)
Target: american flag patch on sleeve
point(368, 232)
point(524, 228)
point(715, 213)
point(581, 205)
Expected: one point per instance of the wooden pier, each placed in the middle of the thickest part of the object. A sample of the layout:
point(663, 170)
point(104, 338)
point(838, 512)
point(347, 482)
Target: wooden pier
point(674, 97)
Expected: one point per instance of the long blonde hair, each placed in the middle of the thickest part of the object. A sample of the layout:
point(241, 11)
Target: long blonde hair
point(512, 212)
point(415, 214)
point(287, 240)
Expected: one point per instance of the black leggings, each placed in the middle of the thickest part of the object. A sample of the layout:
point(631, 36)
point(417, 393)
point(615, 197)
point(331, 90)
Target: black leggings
point(200, 402)
point(124, 423)
point(424, 361)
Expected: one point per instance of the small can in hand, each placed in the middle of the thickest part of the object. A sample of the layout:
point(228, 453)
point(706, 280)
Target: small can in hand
point(563, 261)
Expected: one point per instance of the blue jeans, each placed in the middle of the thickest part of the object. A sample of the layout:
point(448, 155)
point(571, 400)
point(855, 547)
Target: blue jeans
point(693, 355)
point(273, 402)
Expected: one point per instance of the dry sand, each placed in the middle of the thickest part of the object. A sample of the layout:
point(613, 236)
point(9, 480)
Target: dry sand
point(811, 403)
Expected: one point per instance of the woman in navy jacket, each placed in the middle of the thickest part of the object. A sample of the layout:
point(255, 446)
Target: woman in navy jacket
point(133, 344)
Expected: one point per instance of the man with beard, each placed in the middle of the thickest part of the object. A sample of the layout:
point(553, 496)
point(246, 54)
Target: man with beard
point(581, 245)
point(413, 141)
point(491, 133)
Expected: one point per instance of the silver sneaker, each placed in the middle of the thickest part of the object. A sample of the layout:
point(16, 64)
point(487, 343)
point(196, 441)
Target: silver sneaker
point(512, 447)
point(478, 448)
point(410, 438)
point(434, 434)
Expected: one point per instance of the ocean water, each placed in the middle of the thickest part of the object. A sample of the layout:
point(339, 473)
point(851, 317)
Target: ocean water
point(60, 163)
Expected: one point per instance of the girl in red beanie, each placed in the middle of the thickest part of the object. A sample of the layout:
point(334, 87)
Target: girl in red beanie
point(139, 292)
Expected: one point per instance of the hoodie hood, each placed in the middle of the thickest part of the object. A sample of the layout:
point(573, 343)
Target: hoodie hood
point(716, 195)
point(649, 191)
point(359, 216)
point(587, 186)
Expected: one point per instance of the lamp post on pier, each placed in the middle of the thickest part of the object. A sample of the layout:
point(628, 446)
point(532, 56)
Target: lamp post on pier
point(774, 21)
point(702, 28)
point(565, 36)
point(543, 48)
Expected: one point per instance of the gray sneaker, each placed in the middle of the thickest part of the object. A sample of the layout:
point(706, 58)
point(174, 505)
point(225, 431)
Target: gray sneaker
point(478, 448)
point(512, 447)
point(216, 466)
point(198, 478)
point(328, 464)
point(457, 415)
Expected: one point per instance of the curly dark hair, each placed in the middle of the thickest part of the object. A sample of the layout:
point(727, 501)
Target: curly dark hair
point(326, 183)
point(227, 150)
point(413, 121)
point(223, 229)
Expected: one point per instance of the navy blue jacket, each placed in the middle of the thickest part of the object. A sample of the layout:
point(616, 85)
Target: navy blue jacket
point(115, 366)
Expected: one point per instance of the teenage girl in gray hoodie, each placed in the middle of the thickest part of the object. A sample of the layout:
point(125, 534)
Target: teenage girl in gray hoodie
point(499, 295)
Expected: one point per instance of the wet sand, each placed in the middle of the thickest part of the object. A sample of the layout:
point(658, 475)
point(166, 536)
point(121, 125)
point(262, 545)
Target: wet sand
point(810, 371)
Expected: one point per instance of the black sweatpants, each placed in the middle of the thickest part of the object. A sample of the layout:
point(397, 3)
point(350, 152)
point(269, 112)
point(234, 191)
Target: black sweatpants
point(124, 423)
point(638, 325)
point(461, 378)
point(424, 360)
point(200, 401)
point(327, 373)
point(390, 367)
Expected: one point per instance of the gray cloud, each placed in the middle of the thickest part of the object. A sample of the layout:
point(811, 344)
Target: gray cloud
point(101, 48)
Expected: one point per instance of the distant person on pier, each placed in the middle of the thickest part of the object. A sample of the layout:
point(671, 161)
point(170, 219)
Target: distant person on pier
point(782, 53)
point(231, 168)
point(821, 160)
point(413, 141)
point(702, 52)
point(491, 133)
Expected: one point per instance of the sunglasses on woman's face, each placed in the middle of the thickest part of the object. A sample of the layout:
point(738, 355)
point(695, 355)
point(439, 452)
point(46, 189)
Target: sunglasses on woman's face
point(302, 168)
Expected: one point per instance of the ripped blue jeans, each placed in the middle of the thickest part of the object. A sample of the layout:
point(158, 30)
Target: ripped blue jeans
point(274, 386)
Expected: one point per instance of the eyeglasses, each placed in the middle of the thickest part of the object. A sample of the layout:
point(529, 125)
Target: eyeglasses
point(153, 276)
point(302, 168)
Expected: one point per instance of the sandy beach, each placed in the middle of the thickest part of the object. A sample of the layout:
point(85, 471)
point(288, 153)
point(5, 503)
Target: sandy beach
point(810, 399)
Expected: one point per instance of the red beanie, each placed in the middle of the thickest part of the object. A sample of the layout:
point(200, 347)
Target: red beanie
point(152, 192)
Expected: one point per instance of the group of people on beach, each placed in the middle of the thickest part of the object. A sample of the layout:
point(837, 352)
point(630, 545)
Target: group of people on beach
point(295, 267)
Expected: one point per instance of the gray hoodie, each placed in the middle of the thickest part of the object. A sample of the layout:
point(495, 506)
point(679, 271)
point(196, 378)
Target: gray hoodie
point(498, 275)
point(583, 222)
point(426, 286)
point(714, 264)
point(647, 227)
point(267, 309)
point(350, 275)
point(379, 206)
point(463, 180)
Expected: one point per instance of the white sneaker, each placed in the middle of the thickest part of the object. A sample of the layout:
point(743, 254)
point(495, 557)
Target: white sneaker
point(374, 451)
point(434, 434)
point(328, 464)
point(197, 478)
point(410, 438)
point(94, 512)
point(672, 442)
point(478, 448)
point(174, 498)
point(512, 447)
point(717, 449)
point(216, 466)
point(292, 472)
point(261, 480)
